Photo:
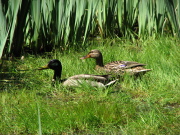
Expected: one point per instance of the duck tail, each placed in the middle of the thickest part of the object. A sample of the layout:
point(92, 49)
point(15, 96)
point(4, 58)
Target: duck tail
point(111, 83)
point(142, 71)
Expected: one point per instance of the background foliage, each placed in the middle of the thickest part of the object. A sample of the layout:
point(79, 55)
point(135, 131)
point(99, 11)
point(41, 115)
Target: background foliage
point(36, 26)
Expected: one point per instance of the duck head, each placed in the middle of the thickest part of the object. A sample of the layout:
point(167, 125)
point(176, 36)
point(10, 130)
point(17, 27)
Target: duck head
point(93, 54)
point(97, 55)
point(54, 65)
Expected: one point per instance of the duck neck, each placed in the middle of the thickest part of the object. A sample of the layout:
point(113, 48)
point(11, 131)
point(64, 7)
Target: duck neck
point(57, 74)
point(99, 62)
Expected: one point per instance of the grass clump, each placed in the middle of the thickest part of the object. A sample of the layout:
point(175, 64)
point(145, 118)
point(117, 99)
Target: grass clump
point(147, 105)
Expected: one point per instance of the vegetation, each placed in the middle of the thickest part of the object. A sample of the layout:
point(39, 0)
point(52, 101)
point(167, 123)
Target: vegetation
point(145, 31)
point(29, 104)
point(37, 26)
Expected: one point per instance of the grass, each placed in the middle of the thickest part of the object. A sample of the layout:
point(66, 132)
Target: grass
point(147, 105)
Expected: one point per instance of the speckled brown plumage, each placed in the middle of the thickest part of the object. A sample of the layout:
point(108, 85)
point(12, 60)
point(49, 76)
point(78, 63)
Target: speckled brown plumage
point(117, 67)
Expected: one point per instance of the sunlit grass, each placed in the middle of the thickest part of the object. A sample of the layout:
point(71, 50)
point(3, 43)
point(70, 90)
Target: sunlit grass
point(147, 105)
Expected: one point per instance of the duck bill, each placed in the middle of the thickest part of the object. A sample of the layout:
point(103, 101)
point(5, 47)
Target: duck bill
point(85, 57)
point(43, 67)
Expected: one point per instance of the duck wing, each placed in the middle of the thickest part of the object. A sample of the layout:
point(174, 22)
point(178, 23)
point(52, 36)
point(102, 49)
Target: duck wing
point(130, 67)
point(80, 82)
point(123, 64)
point(137, 70)
point(92, 80)
point(130, 64)
point(99, 78)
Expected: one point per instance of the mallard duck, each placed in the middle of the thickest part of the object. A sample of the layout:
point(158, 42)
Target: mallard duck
point(77, 80)
point(118, 67)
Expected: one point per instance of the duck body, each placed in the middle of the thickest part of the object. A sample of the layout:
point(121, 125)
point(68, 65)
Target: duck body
point(78, 80)
point(83, 81)
point(117, 67)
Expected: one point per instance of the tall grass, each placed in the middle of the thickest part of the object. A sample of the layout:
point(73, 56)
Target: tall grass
point(38, 26)
point(147, 105)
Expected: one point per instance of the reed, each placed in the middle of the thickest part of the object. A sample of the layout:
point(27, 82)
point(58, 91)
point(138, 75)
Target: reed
point(39, 26)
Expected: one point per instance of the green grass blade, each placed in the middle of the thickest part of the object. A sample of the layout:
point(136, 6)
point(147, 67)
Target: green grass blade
point(160, 15)
point(36, 18)
point(3, 31)
point(142, 19)
point(14, 7)
point(89, 13)
point(92, 5)
point(172, 16)
point(39, 119)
